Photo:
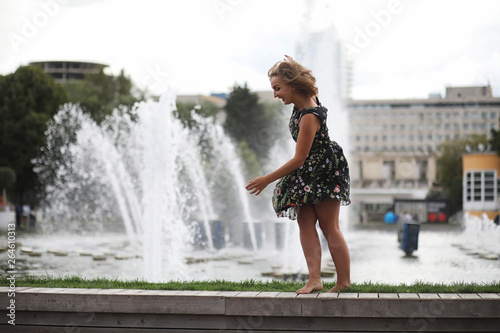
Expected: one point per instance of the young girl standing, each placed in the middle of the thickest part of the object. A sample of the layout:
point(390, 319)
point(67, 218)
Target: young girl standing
point(315, 182)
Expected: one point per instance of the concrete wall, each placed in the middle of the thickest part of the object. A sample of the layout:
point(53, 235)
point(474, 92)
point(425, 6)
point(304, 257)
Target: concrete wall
point(120, 310)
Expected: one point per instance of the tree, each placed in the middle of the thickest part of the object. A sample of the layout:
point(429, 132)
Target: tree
point(7, 179)
point(250, 121)
point(495, 141)
point(28, 99)
point(185, 112)
point(99, 94)
point(450, 170)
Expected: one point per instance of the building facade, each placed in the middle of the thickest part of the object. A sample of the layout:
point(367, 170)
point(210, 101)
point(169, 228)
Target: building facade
point(64, 71)
point(394, 144)
point(481, 183)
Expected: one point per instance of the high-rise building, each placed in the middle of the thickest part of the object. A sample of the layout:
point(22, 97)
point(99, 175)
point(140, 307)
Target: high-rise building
point(394, 143)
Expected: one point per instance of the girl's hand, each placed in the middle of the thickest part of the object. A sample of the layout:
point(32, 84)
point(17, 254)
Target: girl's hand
point(257, 185)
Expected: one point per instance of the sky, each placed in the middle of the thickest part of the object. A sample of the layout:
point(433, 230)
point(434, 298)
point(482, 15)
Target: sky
point(398, 48)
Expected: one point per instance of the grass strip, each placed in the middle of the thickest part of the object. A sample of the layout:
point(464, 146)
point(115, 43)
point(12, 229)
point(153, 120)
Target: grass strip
point(246, 285)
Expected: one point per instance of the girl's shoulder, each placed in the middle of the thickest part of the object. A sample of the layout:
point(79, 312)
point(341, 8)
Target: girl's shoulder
point(319, 111)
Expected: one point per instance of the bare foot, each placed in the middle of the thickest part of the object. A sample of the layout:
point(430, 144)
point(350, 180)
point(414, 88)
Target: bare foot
point(338, 288)
point(310, 286)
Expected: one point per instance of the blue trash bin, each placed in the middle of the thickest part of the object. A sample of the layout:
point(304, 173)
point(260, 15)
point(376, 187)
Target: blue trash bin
point(409, 241)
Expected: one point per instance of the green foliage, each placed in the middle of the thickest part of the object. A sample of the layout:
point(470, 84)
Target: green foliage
point(247, 285)
point(99, 94)
point(495, 141)
point(249, 120)
point(7, 177)
point(435, 194)
point(185, 112)
point(252, 165)
point(450, 169)
point(28, 99)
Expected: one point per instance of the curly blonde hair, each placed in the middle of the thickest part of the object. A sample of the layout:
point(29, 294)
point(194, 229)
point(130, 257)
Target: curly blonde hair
point(296, 75)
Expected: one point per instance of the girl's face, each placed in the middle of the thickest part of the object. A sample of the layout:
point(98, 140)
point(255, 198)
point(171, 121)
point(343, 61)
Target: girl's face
point(282, 90)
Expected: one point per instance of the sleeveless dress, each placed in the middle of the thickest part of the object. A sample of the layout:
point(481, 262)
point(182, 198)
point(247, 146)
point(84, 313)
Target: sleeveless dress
point(324, 175)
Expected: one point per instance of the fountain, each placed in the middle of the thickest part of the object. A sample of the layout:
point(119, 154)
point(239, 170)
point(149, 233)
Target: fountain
point(481, 235)
point(320, 50)
point(152, 173)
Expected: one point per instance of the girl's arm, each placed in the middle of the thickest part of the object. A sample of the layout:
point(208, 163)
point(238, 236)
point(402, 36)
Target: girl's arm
point(309, 125)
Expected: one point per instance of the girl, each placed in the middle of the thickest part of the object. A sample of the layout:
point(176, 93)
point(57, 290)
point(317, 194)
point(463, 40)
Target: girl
point(315, 182)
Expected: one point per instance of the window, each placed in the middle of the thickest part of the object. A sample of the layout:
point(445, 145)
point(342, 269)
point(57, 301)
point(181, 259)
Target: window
point(481, 186)
point(388, 169)
point(421, 169)
point(489, 186)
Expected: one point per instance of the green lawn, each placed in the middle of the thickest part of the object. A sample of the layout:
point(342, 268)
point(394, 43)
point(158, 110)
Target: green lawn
point(247, 285)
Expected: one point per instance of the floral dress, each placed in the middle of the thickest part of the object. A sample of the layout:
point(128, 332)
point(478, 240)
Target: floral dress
point(324, 175)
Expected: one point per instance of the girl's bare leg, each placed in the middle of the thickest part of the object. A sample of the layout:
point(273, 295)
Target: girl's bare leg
point(328, 215)
point(309, 239)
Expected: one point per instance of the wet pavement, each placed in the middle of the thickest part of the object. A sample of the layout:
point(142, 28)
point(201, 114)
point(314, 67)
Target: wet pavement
point(442, 256)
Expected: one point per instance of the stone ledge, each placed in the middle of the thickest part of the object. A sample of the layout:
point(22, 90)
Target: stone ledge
point(108, 310)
